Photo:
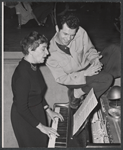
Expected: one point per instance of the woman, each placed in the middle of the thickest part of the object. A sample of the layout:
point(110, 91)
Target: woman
point(28, 112)
point(26, 17)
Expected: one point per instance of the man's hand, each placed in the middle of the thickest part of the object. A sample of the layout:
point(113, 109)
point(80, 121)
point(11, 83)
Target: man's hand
point(93, 70)
point(97, 62)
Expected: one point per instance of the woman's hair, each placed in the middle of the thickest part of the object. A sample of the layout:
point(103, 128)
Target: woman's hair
point(33, 40)
point(70, 19)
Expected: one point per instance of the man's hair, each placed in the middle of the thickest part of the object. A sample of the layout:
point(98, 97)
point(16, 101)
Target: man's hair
point(70, 19)
point(33, 40)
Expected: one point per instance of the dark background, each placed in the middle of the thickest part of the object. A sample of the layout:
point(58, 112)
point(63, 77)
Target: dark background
point(97, 18)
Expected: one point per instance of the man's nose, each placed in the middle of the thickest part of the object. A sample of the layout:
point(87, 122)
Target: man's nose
point(69, 38)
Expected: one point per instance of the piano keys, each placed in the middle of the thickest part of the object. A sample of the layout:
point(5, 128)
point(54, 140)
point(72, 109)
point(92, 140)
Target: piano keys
point(61, 127)
point(54, 126)
point(65, 129)
point(102, 131)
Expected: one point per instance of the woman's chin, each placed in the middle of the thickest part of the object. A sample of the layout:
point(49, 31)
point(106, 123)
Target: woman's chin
point(41, 61)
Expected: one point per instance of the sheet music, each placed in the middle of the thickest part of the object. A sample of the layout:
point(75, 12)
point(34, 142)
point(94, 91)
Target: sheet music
point(84, 110)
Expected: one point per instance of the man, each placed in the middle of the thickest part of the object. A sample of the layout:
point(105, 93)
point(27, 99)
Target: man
point(75, 63)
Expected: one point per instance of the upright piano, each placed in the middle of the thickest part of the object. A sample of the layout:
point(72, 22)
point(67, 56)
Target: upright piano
point(101, 131)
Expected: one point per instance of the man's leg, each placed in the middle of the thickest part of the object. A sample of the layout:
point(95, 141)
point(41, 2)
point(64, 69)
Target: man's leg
point(100, 83)
point(74, 102)
point(112, 60)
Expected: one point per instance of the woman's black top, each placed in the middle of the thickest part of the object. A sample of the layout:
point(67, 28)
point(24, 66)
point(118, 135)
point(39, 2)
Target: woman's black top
point(28, 88)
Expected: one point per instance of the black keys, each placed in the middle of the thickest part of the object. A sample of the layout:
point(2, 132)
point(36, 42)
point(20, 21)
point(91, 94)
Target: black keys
point(61, 141)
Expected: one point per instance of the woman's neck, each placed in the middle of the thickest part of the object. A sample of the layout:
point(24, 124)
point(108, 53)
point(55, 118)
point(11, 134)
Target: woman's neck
point(29, 59)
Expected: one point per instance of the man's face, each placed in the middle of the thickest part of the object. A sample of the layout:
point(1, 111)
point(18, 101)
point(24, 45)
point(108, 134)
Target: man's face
point(66, 35)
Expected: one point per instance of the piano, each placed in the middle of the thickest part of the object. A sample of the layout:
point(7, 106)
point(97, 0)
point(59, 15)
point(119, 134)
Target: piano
point(61, 127)
point(101, 131)
point(65, 129)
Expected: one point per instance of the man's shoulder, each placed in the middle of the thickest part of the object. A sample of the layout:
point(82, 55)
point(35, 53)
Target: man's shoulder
point(81, 30)
point(80, 33)
point(53, 47)
point(53, 38)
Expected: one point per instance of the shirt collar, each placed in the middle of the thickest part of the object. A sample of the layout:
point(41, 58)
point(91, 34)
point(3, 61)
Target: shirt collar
point(58, 42)
point(63, 48)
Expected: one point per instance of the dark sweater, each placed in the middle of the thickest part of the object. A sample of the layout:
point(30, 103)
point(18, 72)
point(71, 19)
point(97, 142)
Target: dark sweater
point(28, 88)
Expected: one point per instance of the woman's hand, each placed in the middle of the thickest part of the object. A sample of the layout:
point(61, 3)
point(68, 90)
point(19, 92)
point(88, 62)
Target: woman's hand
point(47, 130)
point(54, 115)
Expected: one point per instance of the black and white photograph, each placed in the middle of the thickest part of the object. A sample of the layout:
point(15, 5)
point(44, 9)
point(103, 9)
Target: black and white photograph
point(61, 74)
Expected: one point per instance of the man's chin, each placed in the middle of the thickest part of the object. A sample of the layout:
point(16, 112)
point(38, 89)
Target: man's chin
point(66, 44)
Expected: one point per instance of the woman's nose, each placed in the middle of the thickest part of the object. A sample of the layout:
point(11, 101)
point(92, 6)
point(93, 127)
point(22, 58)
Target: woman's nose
point(46, 51)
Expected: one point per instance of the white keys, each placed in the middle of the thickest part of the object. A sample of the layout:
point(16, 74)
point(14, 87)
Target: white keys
point(52, 140)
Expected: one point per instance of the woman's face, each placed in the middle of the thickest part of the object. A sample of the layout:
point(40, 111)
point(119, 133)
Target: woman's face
point(40, 53)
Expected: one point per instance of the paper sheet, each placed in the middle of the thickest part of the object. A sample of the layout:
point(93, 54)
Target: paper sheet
point(84, 110)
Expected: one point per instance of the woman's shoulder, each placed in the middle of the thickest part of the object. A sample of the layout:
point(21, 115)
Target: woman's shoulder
point(23, 68)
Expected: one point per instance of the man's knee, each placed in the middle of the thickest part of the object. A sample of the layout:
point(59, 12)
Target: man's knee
point(112, 48)
point(111, 51)
point(111, 54)
point(109, 79)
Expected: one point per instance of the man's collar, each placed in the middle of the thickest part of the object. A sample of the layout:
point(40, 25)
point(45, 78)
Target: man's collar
point(63, 48)
point(58, 41)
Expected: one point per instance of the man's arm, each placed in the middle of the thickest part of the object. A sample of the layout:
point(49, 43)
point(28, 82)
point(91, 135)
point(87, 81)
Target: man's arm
point(89, 48)
point(93, 55)
point(58, 72)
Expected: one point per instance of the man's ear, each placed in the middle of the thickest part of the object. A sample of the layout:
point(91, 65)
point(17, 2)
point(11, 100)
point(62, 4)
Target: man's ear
point(57, 28)
point(30, 50)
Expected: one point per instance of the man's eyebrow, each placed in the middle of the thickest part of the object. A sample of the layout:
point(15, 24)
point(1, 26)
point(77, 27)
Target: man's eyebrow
point(65, 32)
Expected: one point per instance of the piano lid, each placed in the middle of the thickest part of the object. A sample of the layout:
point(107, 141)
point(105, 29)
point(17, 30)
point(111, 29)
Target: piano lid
point(83, 111)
